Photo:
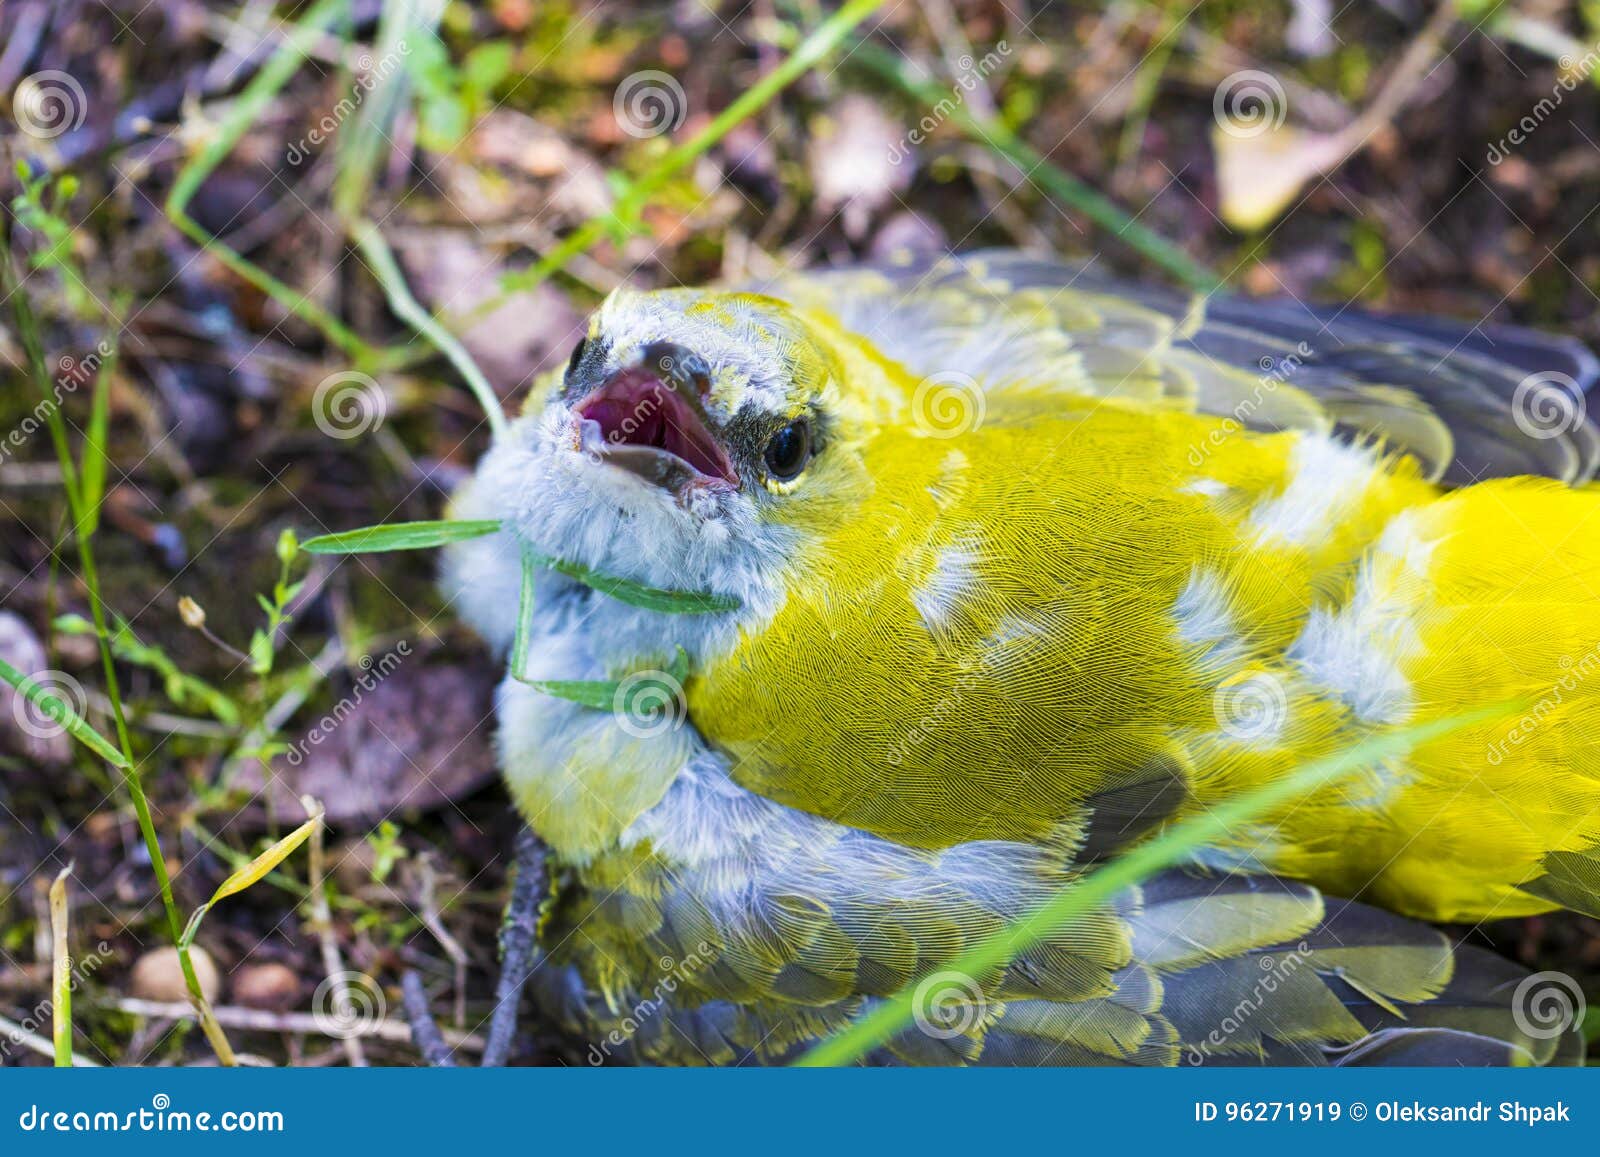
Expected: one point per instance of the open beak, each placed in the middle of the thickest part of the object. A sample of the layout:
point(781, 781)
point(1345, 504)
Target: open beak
point(649, 419)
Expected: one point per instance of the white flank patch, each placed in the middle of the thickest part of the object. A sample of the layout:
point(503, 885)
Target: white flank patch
point(1355, 653)
point(1201, 609)
point(1017, 642)
point(1405, 543)
point(1209, 487)
point(1351, 655)
point(1328, 479)
point(953, 578)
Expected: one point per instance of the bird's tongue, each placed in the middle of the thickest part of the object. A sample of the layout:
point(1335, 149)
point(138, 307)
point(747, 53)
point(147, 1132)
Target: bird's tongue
point(636, 413)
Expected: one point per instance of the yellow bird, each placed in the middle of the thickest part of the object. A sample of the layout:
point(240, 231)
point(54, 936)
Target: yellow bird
point(872, 607)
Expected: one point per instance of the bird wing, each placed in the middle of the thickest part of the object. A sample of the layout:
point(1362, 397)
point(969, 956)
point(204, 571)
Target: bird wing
point(1467, 401)
point(729, 962)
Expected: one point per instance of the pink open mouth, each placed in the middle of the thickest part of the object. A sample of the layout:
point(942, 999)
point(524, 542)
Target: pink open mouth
point(644, 425)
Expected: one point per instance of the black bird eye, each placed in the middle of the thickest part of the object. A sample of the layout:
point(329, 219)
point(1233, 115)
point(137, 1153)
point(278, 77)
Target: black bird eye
point(577, 355)
point(789, 450)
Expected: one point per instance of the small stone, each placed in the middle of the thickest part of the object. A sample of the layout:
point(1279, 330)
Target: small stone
point(24, 727)
point(158, 975)
point(273, 987)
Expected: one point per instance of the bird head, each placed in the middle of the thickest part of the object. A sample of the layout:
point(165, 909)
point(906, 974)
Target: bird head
point(712, 399)
point(695, 440)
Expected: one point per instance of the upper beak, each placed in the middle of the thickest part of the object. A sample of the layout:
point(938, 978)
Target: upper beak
point(650, 419)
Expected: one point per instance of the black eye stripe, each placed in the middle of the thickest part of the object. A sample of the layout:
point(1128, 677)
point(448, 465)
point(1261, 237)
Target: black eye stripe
point(577, 355)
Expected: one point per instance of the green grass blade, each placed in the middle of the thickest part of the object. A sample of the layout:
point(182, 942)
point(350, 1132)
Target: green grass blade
point(243, 112)
point(606, 694)
point(57, 709)
point(92, 473)
point(384, 267)
point(519, 645)
point(817, 44)
point(598, 694)
point(890, 1017)
point(60, 971)
point(11, 290)
point(1037, 169)
point(252, 872)
point(637, 594)
point(400, 536)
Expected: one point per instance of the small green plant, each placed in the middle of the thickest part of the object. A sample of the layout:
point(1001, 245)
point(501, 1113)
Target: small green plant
point(41, 208)
point(387, 850)
point(264, 642)
point(450, 98)
point(186, 691)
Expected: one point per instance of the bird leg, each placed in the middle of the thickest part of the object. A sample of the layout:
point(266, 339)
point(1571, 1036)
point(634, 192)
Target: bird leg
point(520, 954)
